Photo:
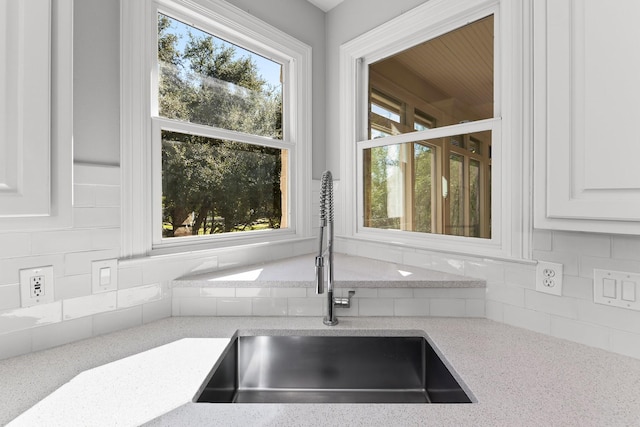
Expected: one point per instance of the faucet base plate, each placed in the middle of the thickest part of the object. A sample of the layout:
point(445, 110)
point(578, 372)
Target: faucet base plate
point(329, 322)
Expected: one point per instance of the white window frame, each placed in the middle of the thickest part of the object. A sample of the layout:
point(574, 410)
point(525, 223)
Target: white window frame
point(140, 124)
point(511, 159)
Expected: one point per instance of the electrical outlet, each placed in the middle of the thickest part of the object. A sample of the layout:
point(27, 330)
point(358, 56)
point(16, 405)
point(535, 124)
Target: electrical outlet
point(549, 278)
point(36, 286)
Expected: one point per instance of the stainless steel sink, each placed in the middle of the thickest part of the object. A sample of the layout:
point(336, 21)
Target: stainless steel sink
point(331, 369)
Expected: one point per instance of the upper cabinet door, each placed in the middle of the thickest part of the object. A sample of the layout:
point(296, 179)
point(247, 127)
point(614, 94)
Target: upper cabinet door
point(586, 115)
point(35, 114)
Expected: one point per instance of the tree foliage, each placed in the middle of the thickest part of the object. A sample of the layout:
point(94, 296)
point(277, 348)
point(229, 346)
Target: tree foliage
point(211, 185)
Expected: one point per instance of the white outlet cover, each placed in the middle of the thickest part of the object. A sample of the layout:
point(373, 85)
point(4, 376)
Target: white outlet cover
point(26, 300)
point(105, 269)
point(549, 278)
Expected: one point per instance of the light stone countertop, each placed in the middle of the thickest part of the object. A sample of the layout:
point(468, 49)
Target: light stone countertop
point(518, 377)
point(350, 271)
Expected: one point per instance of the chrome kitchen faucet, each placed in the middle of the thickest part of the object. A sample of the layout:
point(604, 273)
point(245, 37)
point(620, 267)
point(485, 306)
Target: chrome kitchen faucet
point(326, 221)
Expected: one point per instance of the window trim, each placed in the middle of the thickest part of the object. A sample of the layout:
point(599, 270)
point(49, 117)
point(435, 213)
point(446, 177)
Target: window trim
point(511, 222)
point(138, 156)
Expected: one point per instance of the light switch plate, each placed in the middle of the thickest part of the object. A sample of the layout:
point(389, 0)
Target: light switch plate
point(616, 288)
point(104, 275)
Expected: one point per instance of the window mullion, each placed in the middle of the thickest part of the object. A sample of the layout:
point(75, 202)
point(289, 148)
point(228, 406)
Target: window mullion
point(218, 133)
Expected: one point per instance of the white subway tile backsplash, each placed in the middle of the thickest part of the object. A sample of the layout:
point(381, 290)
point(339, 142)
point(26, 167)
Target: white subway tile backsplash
point(584, 333)
point(156, 310)
point(72, 286)
point(162, 270)
point(129, 277)
point(86, 306)
point(62, 333)
point(234, 307)
point(194, 307)
point(626, 343)
point(52, 242)
point(395, 293)
point(449, 292)
point(523, 276)
point(591, 244)
point(612, 317)
point(252, 292)
point(512, 295)
point(112, 321)
point(84, 173)
point(305, 306)
point(13, 245)
point(190, 292)
point(626, 247)
point(80, 262)
point(368, 250)
point(270, 306)
point(411, 307)
point(216, 292)
point(494, 311)
point(105, 238)
point(588, 264)
point(15, 343)
point(365, 293)
point(577, 287)
point(29, 317)
point(447, 264)
point(107, 195)
point(84, 195)
point(375, 307)
point(10, 267)
point(139, 295)
point(542, 240)
point(447, 307)
point(491, 271)
point(529, 319)
point(475, 308)
point(290, 292)
point(416, 258)
point(552, 304)
point(98, 217)
point(9, 297)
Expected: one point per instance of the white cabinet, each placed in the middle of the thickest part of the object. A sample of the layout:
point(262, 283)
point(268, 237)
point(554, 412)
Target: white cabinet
point(586, 115)
point(35, 113)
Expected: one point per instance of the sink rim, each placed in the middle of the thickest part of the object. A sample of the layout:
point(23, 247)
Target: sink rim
point(372, 333)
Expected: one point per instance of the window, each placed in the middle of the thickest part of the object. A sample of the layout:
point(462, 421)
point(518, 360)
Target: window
point(436, 185)
point(227, 159)
point(218, 185)
point(432, 130)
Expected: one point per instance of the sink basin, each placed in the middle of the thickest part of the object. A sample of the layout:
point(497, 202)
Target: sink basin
point(331, 369)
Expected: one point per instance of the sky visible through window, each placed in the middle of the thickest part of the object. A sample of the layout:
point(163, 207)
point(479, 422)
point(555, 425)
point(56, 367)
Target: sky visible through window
point(268, 69)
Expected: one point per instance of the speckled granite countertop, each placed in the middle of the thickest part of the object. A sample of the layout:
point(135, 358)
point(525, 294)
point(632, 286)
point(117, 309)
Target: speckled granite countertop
point(519, 378)
point(350, 271)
